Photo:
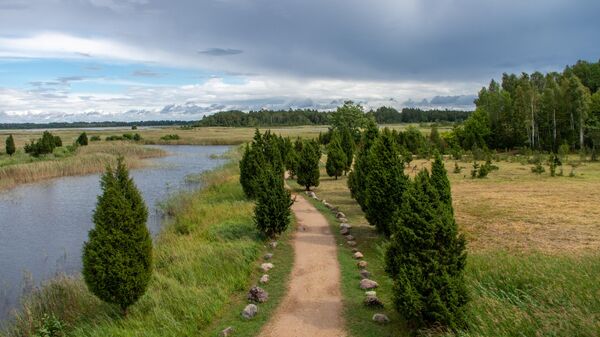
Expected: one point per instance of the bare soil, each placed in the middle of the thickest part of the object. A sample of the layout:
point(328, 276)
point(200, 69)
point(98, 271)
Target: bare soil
point(313, 303)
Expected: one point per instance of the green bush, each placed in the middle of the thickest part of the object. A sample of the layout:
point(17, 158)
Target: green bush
point(44, 145)
point(82, 139)
point(95, 138)
point(50, 327)
point(170, 137)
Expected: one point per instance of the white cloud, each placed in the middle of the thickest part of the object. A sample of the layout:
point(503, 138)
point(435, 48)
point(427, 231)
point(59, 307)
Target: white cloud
point(65, 46)
point(192, 101)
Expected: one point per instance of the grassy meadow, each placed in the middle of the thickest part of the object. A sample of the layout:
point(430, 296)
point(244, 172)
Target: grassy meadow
point(206, 258)
point(533, 243)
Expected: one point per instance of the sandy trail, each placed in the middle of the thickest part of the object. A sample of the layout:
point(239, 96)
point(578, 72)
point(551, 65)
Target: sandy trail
point(313, 303)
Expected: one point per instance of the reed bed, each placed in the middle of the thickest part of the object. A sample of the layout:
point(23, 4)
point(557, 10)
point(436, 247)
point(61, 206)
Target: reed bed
point(86, 160)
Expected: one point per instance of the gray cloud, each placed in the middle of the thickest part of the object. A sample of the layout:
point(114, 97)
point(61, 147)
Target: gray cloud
point(430, 40)
point(145, 73)
point(221, 51)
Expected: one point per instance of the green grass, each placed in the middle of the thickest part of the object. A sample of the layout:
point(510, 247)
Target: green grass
point(201, 273)
point(514, 292)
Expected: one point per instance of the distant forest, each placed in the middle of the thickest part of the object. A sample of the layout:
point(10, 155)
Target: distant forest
point(383, 115)
point(79, 125)
point(538, 111)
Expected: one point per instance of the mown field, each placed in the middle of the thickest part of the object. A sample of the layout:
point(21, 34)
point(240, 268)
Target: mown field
point(206, 259)
point(533, 243)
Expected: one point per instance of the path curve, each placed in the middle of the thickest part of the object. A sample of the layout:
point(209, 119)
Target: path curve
point(313, 303)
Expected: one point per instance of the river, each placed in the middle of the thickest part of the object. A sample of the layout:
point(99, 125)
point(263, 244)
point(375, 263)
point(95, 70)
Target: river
point(44, 225)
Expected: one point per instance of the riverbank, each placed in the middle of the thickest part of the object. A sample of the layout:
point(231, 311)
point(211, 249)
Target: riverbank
point(206, 259)
point(22, 168)
point(532, 253)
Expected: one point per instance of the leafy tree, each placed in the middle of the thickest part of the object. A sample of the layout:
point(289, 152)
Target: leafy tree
point(10, 145)
point(357, 178)
point(385, 182)
point(349, 116)
point(426, 258)
point(336, 158)
point(475, 130)
point(82, 139)
point(308, 164)
point(272, 211)
point(117, 258)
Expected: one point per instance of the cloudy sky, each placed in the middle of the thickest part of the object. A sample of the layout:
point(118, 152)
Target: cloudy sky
point(65, 60)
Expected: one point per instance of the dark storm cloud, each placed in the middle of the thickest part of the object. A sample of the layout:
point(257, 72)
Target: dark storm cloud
point(221, 51)
point(427, 40)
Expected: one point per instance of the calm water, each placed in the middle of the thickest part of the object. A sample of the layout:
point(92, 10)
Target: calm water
point(43, 225)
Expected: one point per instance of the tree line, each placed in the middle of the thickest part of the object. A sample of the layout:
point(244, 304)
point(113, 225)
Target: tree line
point(80, 125)
point(538, 111)
point(383, 115)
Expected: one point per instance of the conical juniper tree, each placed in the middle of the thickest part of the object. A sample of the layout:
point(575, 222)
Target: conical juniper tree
point(117, 258)
point(82, 139)
point(439, 178)
point(385, 182)
point(347, 145)
point(357, 177)
point(10, 145)
point(336, 158)
point(308, 164)
point(272, 211)
point(426, 257)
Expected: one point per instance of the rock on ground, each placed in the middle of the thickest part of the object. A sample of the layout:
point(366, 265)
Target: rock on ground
point(266, 266)
point(349, 237)
point(368, 284)
point(371, 293)
point(250, 311)
point(340, 215)
point(373, 301)
point(258, 294)
point(268, 256)
point(352, 243)
point(273, 244)
point(345, 225)
point(364, 273)
point(226, 332)
point(380, 318)
point(362, 264)
point(342, 220)
point(358, 255)
point(344, 231)
point(264, 279)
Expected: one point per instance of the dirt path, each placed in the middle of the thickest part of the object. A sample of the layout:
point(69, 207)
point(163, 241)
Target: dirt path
point(313, 303)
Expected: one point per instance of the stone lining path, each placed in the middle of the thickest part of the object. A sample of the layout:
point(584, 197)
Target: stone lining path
point(313, 303)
